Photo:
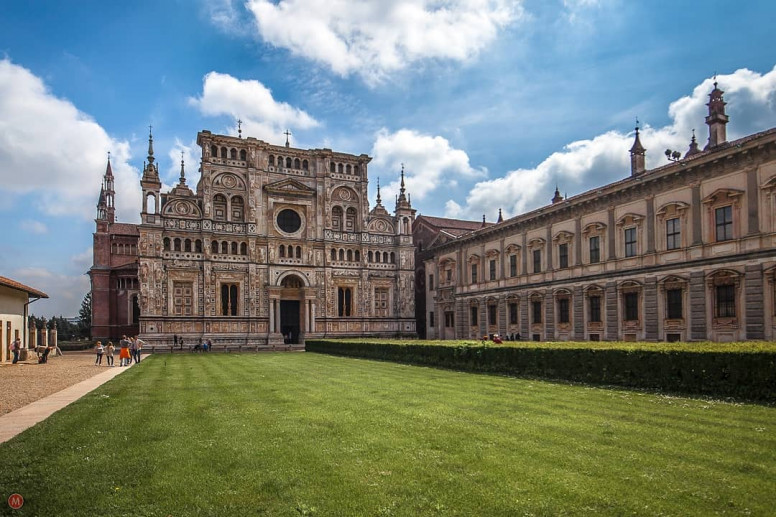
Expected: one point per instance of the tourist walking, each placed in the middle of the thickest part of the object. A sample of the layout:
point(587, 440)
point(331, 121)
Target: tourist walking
point(109, 351)
point(100, 350)
point(124, 351)
point(132, 348)
point(138, 349)
point(15, 346)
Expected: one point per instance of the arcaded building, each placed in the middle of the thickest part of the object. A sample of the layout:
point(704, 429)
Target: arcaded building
point(681, 252)
point(275, 246)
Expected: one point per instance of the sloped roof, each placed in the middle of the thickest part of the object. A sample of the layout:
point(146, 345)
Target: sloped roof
point(13, 284)
point(455, 227)
point(124, 229)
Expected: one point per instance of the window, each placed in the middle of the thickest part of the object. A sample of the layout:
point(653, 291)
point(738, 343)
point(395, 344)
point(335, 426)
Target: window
point(187, 245)
point(563, 310)
point(595, 309)
point(513, 313)
point(381, 301)
point(182, 299)
point(474, 273)
point(537, 261)
point(336, 218)
point(449, 319)
point(289, 221)
point(238, 209)
point(595, 250)
point(228, 300)
point(674, 304)
point(724, 223)
point(673, 234)
point(449, 275)
point(492, 268)
point(431, 319)
point(630, 242)
point(513, 265)
point(219, 207)
point(536, 308)
point(344, 301)
point(430, 282)
point(491, 314)
point(726, 301)
point(473, 316)
point(631, 306)
point(563, 255)
point(350, 219)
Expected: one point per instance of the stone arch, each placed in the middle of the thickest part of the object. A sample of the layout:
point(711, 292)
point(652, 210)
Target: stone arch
point(290, 274)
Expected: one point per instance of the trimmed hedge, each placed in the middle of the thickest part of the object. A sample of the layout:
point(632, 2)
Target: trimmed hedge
point(745, 375)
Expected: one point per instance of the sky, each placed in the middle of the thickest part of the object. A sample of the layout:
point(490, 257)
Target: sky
point(489, 104)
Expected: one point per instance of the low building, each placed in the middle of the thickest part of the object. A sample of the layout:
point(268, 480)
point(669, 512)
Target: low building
point(15, 299)
point(681, 252)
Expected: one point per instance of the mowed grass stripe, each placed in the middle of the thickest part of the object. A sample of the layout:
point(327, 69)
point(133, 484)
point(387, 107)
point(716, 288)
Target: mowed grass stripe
point(291, 434)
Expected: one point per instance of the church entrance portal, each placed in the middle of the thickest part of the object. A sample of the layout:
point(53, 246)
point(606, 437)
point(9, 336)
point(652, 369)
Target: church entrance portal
point(289, 316)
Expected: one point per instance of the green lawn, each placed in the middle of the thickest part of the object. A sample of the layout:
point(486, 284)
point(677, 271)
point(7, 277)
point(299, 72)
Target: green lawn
point(307, 434)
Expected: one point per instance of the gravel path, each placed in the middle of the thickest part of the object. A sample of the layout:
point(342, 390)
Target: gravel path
point(28, 381)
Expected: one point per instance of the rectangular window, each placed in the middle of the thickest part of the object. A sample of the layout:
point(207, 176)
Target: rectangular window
point(595, 309)
point(563, 310)
point(674, 304)
point(563, 255)
point(513, 265)
point(449, 319)
point(491, 314)
point(537, 261)
point(536, 308)
point(182, 298)
point(726, 301)
point(431, 319)
point(381, 301)
point(513, 314)
point(228, 300)
point(724, 222)
point(631, 306)
point(630, 242)
point(473, 316)
point(430, 282)
point(595, 250)
point(673, 234)
point(449, 275)
point(474, 273)
point(344, 301)
point(492, 267)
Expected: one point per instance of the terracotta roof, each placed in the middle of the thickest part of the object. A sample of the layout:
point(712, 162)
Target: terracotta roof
point(455, 227)
point(13, 284)
point(124, 229)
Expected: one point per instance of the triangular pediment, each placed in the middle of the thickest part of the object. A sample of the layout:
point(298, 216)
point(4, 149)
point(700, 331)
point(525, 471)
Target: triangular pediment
point(289, 187)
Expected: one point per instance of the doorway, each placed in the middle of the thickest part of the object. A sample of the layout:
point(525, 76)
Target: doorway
point(289, 319)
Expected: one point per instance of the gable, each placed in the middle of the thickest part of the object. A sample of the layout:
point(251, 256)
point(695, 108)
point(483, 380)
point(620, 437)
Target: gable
point(289, 187)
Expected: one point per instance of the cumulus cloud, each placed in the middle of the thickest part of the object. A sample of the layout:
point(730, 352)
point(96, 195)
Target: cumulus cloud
point(376, 38)
point(190, 154)
point(49, 146)
point(37, 227)
point(430, 162)
point(250, 101)
point(594, 162)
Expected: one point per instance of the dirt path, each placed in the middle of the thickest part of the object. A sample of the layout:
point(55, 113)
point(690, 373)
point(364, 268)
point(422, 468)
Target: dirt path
point(28, 381)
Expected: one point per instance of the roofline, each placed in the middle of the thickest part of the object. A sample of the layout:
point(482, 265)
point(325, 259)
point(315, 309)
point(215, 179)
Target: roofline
point(18, 286)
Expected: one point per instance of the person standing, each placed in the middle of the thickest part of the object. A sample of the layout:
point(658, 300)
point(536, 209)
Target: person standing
point(15, 346)
point(109, 351)
point(132, 349)
point(100, 350)
point(124, 351)
point(138, 348)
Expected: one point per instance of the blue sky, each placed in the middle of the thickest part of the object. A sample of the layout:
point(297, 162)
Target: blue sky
point(488, 103)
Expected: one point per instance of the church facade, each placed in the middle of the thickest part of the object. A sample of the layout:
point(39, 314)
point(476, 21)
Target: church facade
point(683, 252)
point(275, 246)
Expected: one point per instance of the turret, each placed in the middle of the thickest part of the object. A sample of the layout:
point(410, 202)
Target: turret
point(557, 198)
point(637, 153)
point(404, 213)
point(716, 119)
point(151, 185)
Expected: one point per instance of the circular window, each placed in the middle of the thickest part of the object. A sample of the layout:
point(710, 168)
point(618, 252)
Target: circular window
point(289, 221)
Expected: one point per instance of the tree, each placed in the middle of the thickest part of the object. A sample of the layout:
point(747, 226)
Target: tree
point(85, 326)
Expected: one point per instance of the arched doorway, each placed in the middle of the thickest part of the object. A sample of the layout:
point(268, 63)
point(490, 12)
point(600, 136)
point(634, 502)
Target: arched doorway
point(292, 295)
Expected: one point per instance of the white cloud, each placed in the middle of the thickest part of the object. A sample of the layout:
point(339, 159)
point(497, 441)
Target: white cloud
point(48, 146)
point(376, 38)
point(262, 116)
point(37, 227)
point(65, 291)
point(595, 162)
point(191, 156)
point(430, 162)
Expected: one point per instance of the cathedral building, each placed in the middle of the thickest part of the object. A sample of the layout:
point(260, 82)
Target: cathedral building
point(275, 246)
point(681, 252)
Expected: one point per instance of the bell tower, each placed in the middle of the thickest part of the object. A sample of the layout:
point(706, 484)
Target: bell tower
point(151, 186)
point(717, 119)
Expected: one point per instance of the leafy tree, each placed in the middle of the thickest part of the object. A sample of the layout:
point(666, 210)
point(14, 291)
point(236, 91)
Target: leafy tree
point(85, 314)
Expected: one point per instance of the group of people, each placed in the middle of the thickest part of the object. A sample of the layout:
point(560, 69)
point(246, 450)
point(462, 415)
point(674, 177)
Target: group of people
point(129, 350)
point(206, 346)
point(42, 351)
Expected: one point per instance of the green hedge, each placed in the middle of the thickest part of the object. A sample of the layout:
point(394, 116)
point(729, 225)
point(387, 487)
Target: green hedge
point(746, 375)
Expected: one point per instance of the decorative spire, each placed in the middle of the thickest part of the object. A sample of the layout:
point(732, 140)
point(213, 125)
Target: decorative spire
point(637, 153)
point(183, 173)
point(483, 221)
point(150, 145)
point(106, 208)
point(693, 146)
point(239, 128)
point(401, 200)
point(500, 217)
point(287, 133)
point(717, 119)
point(378, 191)
point(557, 198)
